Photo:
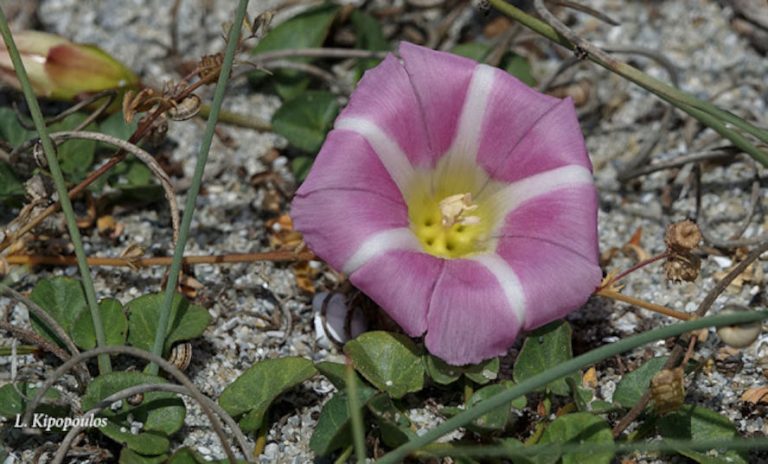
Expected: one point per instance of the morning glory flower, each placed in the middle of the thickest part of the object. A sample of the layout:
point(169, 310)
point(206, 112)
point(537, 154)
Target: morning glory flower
point(457, 198)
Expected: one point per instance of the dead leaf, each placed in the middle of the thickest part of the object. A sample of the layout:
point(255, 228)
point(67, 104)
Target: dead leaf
point(756, 395)
point(589, 379)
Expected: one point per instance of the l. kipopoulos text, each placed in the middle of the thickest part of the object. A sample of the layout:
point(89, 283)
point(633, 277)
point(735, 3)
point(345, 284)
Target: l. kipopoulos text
point(46, 422)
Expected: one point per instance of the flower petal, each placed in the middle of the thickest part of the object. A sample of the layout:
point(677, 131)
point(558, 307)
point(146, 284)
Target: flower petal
point(470, 318)
point(555, 254)
point(570, 220)
point(385, 104)
point(336, 221)
point(405, 298)
point(347, 162)
point(539, 133)
point(441, 81)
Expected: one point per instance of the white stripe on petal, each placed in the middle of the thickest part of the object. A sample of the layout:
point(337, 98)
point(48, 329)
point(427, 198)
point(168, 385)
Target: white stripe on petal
point(390, 154)
point(515, 194)
point(470, 125)
point(393, 239)
point(508, 281)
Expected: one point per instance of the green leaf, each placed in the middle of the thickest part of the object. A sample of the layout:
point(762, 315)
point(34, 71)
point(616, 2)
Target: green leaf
point(254, 391)
point(12, 402)
point(633, 385)
point(75, 156)
point(336, 373)
point(543, 457)
point(61, 297)
point(473, 50)
point(440, 371)
point(699, 424)
point(11, 129)
point(497, 419)
point(394, 425)
point(333, 429)
point(144, 443)
point(443, 373)
point(128, 456)
point(300, 167)
point(112, 318)
point(369, 37)
point(10, 187)
point(188, 321)
point(186, 456)
point(484, 372)
point(544, 349)
point(116, 126)
point(305, 30)
point(519, 67)
point(391, 362)
point(580, 427)
point(306, 119)
point(161, 412)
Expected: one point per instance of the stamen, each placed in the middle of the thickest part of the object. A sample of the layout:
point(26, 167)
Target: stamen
point(452, 209)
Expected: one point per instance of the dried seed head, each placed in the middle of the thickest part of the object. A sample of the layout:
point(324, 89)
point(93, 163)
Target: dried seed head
point(187, 109)
point(668, 390)
point(683, 236)
point(741, 335)
point(683, 266)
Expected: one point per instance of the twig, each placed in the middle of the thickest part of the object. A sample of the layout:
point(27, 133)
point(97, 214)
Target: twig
point(632, 269)
point(588, 10)
point(266, 57)
point(678, 350)
point(156, 360)
point(111, 94)
point(140, 389)
point(273, 256)
point(718, 154)
point(228, 117)
point(610, 293)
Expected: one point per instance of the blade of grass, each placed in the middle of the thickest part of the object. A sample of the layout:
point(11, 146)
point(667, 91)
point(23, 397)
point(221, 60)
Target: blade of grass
point(355, 413)
point(488, 451)
point(61, 188)
point(194, 189)
point(682, 100)
point(561, 370)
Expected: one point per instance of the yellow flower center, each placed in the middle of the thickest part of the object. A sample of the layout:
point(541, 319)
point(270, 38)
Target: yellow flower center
point(447, 216)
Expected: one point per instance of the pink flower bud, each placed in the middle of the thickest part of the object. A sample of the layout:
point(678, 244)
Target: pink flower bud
point(62, 70)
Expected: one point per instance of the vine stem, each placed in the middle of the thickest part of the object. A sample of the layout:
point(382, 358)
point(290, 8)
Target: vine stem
point(194, 189)
point(561, 370)
point(632, 269)
point(61, 188)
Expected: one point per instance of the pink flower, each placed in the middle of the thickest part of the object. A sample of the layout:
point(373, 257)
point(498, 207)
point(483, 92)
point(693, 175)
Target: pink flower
point(457, 198)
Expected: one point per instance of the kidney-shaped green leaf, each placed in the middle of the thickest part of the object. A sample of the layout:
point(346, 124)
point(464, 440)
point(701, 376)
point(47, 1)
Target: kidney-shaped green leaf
point(61, 297)
point(700, 424)
point(305, 119)
point(188, 321)
point(257, 388)
point(391, 362)
point(113, 320)
point(633, 385)
point(544, 349)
